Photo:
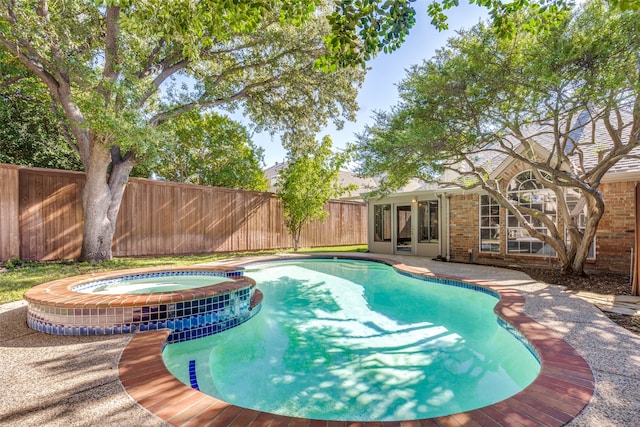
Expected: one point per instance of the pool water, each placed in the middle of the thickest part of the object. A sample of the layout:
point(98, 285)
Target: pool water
point(167, 283)
point(355, 340)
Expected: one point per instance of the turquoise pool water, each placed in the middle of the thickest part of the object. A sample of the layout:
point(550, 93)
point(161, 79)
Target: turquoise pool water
point(355, 340)
point(154, 284)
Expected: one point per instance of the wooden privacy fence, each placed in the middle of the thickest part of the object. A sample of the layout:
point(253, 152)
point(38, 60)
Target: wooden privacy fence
point(41, 218)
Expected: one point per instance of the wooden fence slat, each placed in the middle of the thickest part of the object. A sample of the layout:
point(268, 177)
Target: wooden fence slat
point(41, 218)
point(9, 213)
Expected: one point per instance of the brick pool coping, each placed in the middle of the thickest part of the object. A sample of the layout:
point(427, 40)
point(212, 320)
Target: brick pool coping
point(59, 293)
point(563, 388)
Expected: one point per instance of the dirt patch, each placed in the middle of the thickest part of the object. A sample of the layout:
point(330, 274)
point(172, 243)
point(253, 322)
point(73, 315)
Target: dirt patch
point(606, 283)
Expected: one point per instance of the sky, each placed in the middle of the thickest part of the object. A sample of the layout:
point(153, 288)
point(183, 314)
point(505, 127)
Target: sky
point(379, 91)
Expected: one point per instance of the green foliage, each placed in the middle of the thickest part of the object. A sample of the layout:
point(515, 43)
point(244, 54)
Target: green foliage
point(481, 89)
point(363, 28)
point(210, 149)
point(120, 69)
point(485, 98)
point(12, 263)
point(31, 132)
point(308, 182)
point(258, 56)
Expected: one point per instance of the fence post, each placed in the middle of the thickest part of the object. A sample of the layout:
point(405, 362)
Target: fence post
point(9, 212)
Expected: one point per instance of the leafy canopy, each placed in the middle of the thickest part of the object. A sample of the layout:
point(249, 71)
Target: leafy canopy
point(31, 133)
point(209, 149)
point(481, 91)
point(536, 98)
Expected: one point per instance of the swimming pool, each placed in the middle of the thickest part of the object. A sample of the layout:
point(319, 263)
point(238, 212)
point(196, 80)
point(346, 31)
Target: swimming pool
point(150, 283)
point(355, 340)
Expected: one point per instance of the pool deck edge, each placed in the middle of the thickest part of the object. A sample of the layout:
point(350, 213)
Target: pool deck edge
point(561, 391)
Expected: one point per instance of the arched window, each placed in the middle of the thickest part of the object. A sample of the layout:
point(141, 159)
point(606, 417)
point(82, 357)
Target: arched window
point(525, 191)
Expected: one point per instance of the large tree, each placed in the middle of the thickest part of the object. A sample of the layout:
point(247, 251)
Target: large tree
point(535, 98)
point(119, 69)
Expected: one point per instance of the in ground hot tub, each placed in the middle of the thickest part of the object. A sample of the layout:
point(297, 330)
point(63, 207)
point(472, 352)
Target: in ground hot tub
point(192, 302)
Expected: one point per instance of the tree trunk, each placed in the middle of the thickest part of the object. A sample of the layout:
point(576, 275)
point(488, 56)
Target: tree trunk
point(595, 206)
point(296, 241)
point(296, 238)
point(101, 202)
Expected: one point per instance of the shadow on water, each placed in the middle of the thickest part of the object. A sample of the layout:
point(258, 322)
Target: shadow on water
point(333, 350)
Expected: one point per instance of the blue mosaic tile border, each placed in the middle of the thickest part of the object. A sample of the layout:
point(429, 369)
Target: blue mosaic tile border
point(205, 331)
point(193, 379)
point(519, 336)
point(451, 282)
point(89, 285)
point(187, 320)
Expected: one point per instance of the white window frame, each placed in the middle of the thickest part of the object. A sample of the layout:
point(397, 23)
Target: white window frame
point(431, 225)
point(386, 223)
point(489, 222)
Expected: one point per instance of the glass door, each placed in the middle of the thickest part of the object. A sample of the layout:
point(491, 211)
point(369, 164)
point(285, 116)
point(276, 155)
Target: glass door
point(404, 232)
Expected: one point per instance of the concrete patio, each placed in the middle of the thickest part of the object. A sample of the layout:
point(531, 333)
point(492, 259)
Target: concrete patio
point(73, 381)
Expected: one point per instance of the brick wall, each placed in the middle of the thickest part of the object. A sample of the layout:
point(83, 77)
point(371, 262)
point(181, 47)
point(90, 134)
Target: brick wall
point(464, 226)
point(615, 236)
point(614, 239)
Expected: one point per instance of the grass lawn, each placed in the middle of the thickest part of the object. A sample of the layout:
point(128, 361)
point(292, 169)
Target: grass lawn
point(20, 276)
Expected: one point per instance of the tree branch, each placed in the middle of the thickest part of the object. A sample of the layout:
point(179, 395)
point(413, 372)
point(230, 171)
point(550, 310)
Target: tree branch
point(148, 67)
point(110, 70)
point(243, 93)
point(10, 81)
point(160, 78)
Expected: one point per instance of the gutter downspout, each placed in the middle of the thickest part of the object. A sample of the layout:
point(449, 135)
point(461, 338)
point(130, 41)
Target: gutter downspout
point(635, 284)
point(448, 196)
point(442, 225)
point(445, 229)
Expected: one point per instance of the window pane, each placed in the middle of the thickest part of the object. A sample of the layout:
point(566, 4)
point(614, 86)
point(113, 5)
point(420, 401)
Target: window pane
point(433, 221)
point(428, 230)
point(489, 224)
point(382, 223)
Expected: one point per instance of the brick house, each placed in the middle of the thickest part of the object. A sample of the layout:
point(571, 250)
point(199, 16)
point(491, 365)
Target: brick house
point(462, 225)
